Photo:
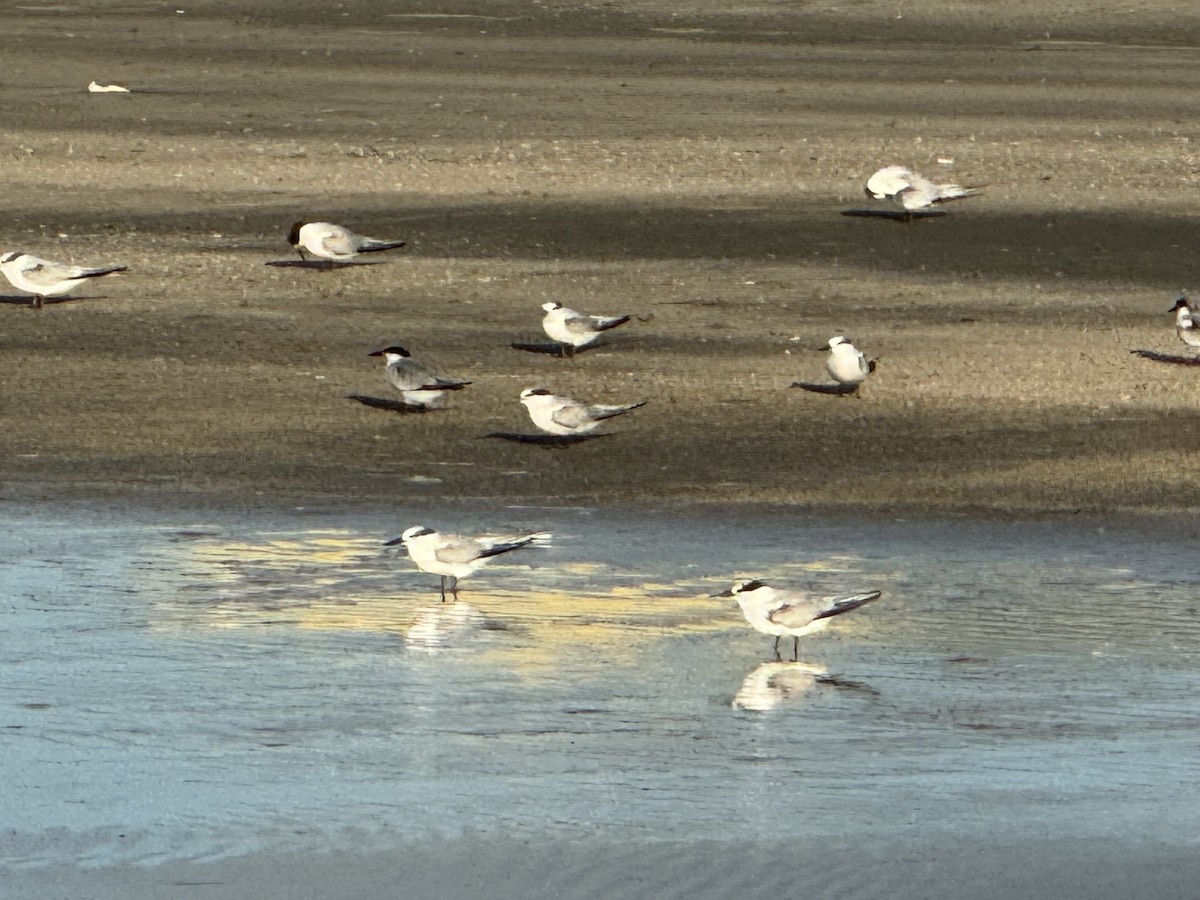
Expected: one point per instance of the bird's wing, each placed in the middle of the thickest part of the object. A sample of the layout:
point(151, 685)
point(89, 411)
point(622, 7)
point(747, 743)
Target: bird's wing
point(796, 614)
point(339, 242)
point(580, 324)
point(889, 181)
point(453, 548)
point(603, 323)
point(571, 414)
point(408, 375)
point(43, 272)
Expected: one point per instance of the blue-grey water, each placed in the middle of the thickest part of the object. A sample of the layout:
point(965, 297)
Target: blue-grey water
point(202, 686)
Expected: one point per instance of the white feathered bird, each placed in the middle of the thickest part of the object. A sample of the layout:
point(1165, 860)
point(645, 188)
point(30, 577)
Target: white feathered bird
point(563, 416)
point(455, 556)
point(575, 329)
point(333, 242)
point(911, 190)
point(44, 278)
point(783, 613)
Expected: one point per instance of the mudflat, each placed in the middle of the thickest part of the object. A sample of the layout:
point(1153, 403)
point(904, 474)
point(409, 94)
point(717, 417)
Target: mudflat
point(687, 165)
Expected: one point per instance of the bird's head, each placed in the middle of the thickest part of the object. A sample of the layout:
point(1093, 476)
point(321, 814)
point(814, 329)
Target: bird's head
point(743, 587)
point(551, 305)
point(394, 350)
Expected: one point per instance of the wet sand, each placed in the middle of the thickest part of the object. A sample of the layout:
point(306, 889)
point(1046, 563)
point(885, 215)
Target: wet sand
point(688, 166)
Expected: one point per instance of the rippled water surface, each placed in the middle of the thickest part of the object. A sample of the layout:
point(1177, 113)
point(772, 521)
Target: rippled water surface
point(199, 688)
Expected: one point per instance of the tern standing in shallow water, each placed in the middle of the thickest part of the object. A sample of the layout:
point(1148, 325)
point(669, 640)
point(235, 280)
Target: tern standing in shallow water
point(43, 278)
point(333, 242)
point(454, 556)
point(419, 385)
point(563, 416)
point(912, 191)
point(782, 613)
point(846, 364)
point(574, 329)
point(1185, 323)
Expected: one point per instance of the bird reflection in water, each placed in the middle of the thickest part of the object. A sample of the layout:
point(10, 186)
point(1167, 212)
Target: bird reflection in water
point(772, 684)
point(443, 625)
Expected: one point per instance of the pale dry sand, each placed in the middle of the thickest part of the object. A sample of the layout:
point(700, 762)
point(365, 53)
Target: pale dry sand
point(685, 165)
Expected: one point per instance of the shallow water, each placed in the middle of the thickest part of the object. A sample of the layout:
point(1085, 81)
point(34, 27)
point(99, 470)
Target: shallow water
point(193, 689)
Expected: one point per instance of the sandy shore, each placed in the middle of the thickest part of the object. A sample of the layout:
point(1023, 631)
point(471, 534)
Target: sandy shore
point(688, 167)
point(685, 165)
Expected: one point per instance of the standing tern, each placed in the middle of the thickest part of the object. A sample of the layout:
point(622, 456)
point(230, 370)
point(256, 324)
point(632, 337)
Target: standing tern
point(575, 329)
point(454, 556)
point(333, 242)
point(911, 190)
point(1185, 324)
point(43, 278)
point(782, 613)
point(419, 385)
point(846, 363)
point(564, 416)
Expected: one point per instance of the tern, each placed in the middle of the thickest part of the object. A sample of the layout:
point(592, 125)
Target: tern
point(419, 385)
point(846, 364)
point(564, 416)
point(1185, 324)
point(43, 278)
point(912, 191)
point(575, 329)
point(781, 613)
point(454, 556)
point(333, 242)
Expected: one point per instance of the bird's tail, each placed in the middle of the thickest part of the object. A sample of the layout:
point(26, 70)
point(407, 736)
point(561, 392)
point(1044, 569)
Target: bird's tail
point(537, 539)
point(607, 412)
point(957, 191)
point(845, 604)
point(101, 270)
point(605, 324)
point(370, 245)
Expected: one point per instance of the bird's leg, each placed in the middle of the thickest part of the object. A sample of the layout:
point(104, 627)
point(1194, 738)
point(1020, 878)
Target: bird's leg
point(454, 586)
point(38, 300)
point(795, 648)
point(777, 656)
point(443, 588)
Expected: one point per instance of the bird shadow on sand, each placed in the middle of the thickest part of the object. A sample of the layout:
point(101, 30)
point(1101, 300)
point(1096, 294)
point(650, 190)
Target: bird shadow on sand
point(552, 441)
point(552, 348)
point(390, 405)
point(320, 265)
point(1167, 357)
point(895, 215)
point(26, 300)
point(842, 389)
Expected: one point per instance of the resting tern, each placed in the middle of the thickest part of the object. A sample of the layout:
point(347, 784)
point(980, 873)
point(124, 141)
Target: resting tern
point(846, 363)
point(575, 329)
point(333, 242)
point(43, 278)
point(419, 385)
point(782, 613)
point(564, 416)
point(1185, 324)
point(454, 556)
point(910, 190)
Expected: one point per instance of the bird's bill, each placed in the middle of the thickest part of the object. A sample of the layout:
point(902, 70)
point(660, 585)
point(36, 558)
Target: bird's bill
point(394, 542)
point(728, 592)
point(376, 353)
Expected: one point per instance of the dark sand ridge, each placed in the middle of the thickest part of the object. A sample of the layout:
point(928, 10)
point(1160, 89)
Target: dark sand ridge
point(689, 167)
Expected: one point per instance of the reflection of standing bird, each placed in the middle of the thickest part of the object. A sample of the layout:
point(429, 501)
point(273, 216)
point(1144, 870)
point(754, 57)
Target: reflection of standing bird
point(333, 242)
point(574, 329)
point(419, 385)
point(910, 190)
point(846, 363)
point(771, 683)
point(781, 613)
point(43, 278)
point(563, 416)
point(456, 556)
point(1185, 323)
